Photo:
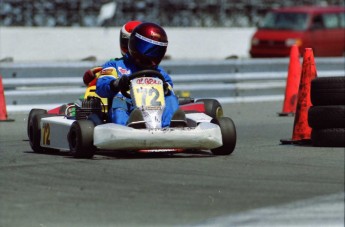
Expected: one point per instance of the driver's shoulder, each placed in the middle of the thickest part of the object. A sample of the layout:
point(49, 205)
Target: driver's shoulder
point(113, 62)
point(161, 70)
point(116, 59)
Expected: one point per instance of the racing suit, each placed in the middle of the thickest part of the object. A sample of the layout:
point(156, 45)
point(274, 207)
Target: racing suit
point(122, 106)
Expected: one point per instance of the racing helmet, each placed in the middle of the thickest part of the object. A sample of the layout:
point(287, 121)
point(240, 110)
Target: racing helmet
point(125, 33)
point(147, 45)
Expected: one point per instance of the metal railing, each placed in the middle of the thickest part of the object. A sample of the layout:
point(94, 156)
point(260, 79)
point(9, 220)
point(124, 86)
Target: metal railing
point(32, 84)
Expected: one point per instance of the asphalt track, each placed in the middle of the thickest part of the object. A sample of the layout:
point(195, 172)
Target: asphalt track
point(262, 183)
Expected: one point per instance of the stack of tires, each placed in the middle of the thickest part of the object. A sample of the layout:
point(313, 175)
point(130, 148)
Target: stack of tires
point(326, 116)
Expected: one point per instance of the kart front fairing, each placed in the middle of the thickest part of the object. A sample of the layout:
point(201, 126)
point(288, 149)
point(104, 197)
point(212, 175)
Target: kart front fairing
point(117, 137)
point(201, 134)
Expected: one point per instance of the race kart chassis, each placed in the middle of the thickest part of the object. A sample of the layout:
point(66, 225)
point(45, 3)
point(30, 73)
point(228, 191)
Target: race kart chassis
point(84, 129)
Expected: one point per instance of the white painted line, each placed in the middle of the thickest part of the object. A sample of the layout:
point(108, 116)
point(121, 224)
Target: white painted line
point(316, 212)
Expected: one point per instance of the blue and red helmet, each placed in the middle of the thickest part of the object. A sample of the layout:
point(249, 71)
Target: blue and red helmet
point(125, 33)
point(147, 45)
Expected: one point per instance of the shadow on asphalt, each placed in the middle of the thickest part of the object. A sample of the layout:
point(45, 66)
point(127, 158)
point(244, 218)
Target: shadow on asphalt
point(138, 155)
point(106, 155)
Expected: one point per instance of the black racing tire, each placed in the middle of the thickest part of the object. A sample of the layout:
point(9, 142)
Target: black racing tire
point(95, 119)
point(62, 109)
point(321, 117)
point(185, 100)
point(80, 138)
point(212, 107)
point(326, 91)
point(331, 137)
point(35, 132)
point(228, 130)
point(32, 113)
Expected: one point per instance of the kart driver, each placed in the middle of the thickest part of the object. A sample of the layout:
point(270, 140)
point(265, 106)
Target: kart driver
point(146, 48)
point(125, 33)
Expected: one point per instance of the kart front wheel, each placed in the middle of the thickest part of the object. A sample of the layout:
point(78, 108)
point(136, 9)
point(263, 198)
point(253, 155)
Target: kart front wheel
point(80, 139)
point(228, 130)
point(32, 113)
point(34, 131)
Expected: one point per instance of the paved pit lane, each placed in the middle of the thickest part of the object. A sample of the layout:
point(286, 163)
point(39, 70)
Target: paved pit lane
point(262, 183)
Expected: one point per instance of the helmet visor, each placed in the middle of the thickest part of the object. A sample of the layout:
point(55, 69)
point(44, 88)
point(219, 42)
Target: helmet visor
point(149, 47)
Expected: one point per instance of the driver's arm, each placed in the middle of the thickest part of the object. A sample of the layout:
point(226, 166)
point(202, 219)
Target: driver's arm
point(105, 80)
point(166, 76)
point(168, 80)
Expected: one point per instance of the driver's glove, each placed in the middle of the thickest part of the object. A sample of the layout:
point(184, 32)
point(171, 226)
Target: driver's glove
point(90, 75)
point(166, 88)
point(121, 83)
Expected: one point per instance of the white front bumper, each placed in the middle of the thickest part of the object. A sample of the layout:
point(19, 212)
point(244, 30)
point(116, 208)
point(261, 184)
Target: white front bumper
point(116, 137)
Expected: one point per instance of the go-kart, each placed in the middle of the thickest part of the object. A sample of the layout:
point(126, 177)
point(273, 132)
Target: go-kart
point(86, 128)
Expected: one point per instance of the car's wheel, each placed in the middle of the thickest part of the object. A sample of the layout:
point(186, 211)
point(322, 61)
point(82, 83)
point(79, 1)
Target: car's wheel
point(32, 113)
point(212, 107)
point(35, 132)
point(327, 91)
point(228, 130)
point(80, 139)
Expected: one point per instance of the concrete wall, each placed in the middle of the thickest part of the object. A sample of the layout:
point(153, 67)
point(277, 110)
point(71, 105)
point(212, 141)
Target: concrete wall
point(61, 44)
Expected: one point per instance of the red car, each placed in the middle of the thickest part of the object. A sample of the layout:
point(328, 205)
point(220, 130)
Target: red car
point(319, 28)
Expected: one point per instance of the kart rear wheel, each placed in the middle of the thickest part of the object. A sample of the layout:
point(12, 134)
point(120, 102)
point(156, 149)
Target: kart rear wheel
point(212, 107)
point(32, 113)
point(80, 139)
point(34, 132)
point(228, 130)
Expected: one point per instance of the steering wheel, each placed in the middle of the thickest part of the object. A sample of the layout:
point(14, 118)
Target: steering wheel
point(142, 73)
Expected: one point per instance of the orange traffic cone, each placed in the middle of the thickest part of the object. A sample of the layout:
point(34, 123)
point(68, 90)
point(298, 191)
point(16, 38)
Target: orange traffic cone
point(301, 130)
point(3, 110)
point(292, 83)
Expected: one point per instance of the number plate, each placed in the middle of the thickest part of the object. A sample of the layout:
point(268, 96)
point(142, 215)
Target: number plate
point(147, 92)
